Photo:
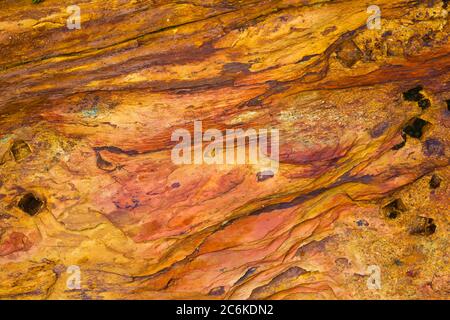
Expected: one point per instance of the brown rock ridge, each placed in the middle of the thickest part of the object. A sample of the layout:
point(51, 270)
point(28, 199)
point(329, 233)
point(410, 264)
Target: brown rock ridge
point(86, 176)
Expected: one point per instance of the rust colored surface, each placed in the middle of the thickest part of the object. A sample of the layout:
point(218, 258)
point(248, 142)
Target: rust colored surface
point(87, 178)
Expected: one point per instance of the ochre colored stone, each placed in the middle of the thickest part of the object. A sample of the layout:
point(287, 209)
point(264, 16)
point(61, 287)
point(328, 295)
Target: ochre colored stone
point(86, 119)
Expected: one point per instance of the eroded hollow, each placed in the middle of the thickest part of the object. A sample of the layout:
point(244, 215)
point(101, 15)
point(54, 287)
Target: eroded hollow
point(30, 204)
point(393, 209)
point(435, 181)
point(400, 145)
point(424, 104)
point(423, 226)
point(413, 94)
point(415, 128)
point(20, 150)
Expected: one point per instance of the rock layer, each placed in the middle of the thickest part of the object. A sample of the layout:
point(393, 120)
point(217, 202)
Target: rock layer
point(86, 176)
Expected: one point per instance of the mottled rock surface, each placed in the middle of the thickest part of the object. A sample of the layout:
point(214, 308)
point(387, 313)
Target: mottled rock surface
point(86, 177)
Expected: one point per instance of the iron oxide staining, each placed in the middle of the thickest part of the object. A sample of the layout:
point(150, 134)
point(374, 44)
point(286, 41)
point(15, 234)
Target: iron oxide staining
point(423, 226)
point(393, 209)
point(348, 53)
point(379, 129)
point(435, 181)
point(289, 274)
point(20, 150)
point(218, 291)
point(30, 204)
point(433, 147)
point(104, 164)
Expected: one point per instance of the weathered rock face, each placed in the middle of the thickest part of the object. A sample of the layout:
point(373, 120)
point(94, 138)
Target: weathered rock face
point(87, 179)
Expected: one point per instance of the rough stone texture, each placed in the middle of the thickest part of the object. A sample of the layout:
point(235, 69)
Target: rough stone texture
point(86, 118)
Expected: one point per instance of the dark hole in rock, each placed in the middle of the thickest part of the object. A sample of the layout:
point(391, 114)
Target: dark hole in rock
point(401, 144)
point(397, 204)
point(448, 105)
point(413, 94)
point(393, 214)
point(30, 204)
point(393, 209)
point(20, 150)
point(415, 128)
point(424, 226)
point(435, 181)
point(264, 175)
point(424, 104)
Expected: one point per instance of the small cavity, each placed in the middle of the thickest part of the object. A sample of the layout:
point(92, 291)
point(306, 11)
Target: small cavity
point(30, 204)
point(20, 150)
point(401, 144)
point(424, 104)
point(413, 94)
point(415, 128)
point(393, 209)
point(435, 181)
point(424, 227)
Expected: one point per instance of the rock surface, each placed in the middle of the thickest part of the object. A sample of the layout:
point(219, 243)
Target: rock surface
point(87, 180)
